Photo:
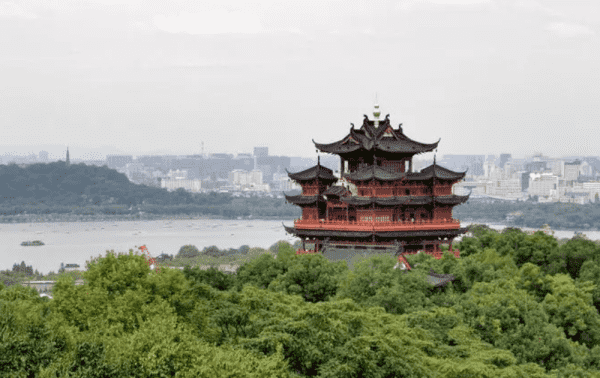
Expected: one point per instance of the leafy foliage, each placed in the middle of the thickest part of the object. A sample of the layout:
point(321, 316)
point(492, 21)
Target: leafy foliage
point(311, 276)
point(508, 313)
point(188, 251)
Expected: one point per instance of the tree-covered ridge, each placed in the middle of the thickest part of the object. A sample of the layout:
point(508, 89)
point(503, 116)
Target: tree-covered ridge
point(568, 216)
point(520, 306)
point(56, 188)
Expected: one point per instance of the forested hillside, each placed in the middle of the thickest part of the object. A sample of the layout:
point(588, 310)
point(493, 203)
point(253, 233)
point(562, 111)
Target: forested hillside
point(568, 216)
point(79, 189)
point(56, 190)
point(520, 306)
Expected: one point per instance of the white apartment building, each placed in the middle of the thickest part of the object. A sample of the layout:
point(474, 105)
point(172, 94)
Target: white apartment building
point(176, 183)
point(244, 180)
point(571, 171)
point(489, 168)
point(543, 185)
point(585, 169)
point(510, 188)
point(177, 174)
point(558, 168)
point(285, 184)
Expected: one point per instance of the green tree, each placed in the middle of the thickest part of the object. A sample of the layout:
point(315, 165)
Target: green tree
point(213, 251)
point(312, 277)
point(188, 251)
point(572, 255)
point(260, 272)
point(590, 271)
point(212, 276)
point(509, 318)
point(570, 307)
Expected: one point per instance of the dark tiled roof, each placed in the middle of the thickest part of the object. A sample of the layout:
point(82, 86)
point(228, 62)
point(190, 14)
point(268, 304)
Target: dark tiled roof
point(325, 233)
point(318, 171)
point(437, 280)
point(439, 172)
point(405, 200)
point(370, 172)
point(368, 234)
point(301, 200)
point(375, 172)
point(369, 138)
point(451, 199)
point(337, 190)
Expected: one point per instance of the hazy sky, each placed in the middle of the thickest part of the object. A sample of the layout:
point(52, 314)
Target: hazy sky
point(485, 76)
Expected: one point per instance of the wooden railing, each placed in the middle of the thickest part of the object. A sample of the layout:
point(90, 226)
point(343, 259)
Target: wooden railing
point(445, 224)
point(388, 191)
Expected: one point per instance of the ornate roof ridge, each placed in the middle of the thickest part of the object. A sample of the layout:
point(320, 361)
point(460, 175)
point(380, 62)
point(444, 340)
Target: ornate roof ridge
point(444, 173)
point(369, 138)
point(317, 171)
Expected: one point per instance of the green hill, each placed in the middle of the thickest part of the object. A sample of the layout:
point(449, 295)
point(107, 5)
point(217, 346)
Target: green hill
point(55, 188)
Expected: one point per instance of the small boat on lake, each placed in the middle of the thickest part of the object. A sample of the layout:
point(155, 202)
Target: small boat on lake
point(32, 243)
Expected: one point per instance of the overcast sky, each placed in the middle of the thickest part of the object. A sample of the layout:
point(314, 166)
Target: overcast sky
point(485, 76)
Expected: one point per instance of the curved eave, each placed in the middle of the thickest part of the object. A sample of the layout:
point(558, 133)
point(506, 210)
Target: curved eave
point(312, 173)
point(443, 173)
point(301, 200)
point(452, 199)
point(337, 147)
point(336, 191)
point(367, 234)
point(405, 146)
point(374, 172)
point(327, 233)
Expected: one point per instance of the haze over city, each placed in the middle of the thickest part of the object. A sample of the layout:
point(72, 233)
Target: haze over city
point(153, 77)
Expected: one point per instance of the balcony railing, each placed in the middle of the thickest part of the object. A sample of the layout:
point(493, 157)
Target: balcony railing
point(321, 224)
point(387, 191)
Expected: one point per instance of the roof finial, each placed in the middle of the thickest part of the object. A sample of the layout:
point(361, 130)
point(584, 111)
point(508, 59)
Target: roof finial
point(376, 112)
point(434, 159)
point(318, 159)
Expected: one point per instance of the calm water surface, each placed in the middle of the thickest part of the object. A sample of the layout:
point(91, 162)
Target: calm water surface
point(74, 242)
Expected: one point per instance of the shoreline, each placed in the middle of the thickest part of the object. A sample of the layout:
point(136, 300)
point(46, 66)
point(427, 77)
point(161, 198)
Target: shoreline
point(51, 218)
point(20, 219)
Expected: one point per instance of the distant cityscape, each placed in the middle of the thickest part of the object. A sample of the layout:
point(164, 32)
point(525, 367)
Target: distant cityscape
point(538, 177)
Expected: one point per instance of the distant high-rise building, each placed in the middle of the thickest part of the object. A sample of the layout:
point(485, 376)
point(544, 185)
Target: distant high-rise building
point(503, 159)
point(572, 170)
point(261, 151)
point(43, 156)
point(68, 161)
point(473, 164)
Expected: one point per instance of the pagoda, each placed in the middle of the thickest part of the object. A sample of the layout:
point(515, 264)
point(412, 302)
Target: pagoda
point(377, 203)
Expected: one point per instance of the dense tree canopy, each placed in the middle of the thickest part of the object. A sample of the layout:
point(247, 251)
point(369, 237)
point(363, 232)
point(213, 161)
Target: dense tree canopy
point(510, 312)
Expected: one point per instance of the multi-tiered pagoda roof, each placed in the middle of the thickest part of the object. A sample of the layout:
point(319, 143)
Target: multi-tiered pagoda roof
point(382, 138)
point(377, 201)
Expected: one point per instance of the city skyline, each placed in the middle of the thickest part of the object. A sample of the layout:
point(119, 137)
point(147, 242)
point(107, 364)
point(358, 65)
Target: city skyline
point(485, 76)
point(57, 152)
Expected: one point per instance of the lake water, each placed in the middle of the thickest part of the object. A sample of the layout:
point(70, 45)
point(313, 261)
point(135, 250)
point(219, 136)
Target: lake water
point(76, 242)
